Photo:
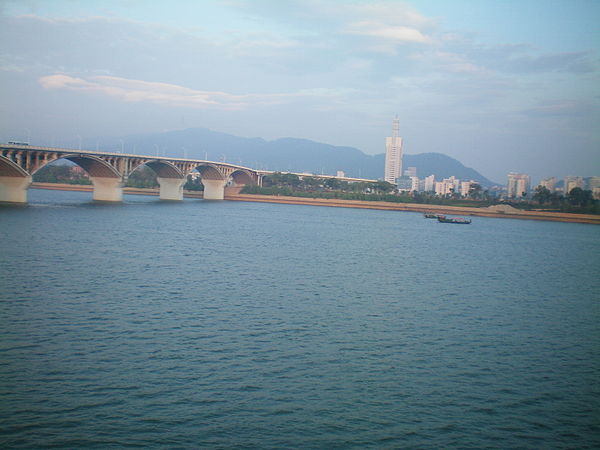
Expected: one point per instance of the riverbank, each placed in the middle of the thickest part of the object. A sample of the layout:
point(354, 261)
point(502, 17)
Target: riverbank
point(501, 211)
point(498, 211)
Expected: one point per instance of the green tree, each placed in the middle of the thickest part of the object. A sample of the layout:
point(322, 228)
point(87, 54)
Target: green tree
point(332, 183)
point(273, 179)
point(290, 179)
point(382, 186)
point(475, 190)
point(194, 184)
point(311, 183)
point(142, 177)
point(60, 173)
point(579, 197)
point(542, 195)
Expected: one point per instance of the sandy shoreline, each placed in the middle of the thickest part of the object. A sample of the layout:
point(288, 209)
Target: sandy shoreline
point(498, 212)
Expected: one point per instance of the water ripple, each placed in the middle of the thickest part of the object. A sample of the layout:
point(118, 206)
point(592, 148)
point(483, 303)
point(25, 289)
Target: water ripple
point(232, 325)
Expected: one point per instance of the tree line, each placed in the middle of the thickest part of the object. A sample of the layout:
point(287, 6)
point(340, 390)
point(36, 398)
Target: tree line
point(288, 184)
point(577, 200)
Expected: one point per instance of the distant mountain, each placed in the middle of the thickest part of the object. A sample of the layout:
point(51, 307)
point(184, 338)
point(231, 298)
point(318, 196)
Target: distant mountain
point(442, 166)
point(286, 154)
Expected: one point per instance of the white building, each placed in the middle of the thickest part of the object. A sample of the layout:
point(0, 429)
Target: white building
point(594, 186)
point(429, 183)
point(593, 183)
point(447, 186)
point(465, 187)
point(442, 188)
point(415, 184)
point(549, 183)
point(572, 183)
point(518, 184)
point(393, 154)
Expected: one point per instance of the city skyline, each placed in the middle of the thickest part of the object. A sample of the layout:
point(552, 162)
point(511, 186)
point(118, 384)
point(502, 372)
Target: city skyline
point(481, 82)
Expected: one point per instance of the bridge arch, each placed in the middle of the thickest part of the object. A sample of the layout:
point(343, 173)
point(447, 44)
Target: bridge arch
point(108, 171)
point(169, 177)
point(94, 166)
point(107, 181)
point(9, 168)
point(237, 180)
point(213, 179)
point(210, 173)
point(162, 169)
point(14, 181)
point(241, 177)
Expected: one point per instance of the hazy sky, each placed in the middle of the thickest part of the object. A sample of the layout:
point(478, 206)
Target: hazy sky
point(500, 85)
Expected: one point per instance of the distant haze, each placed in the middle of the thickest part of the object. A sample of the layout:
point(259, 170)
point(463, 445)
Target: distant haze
point(285, 155)
point(500, 86)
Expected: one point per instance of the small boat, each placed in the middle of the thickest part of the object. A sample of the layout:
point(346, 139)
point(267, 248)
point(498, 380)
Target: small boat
point(430, 215)
point(460, 220)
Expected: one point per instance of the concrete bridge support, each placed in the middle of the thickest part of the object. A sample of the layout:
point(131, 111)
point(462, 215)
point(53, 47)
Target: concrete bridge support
point(171, 188)
point(214, 189)
point(107, 189)
point(14, 189)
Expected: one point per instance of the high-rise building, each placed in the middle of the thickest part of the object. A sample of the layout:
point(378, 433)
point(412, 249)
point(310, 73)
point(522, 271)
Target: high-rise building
point(416, 184)
point(593, 183)
point(548, 183)
point(518, 184)
point(429, 184)
point(411, 172)
point(393, 154)
point(466, 187)
point(572, 183)
point(447, 186)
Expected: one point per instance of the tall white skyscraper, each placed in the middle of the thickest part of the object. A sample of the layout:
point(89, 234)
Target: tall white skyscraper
point(393, 154)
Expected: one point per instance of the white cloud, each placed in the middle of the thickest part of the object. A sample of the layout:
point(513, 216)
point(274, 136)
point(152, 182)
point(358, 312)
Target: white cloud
point(255, 40)
point(383, 24)
point(397, 33)
point(387, 25)
point(134, 91)
point(450, 62)
point(391, 12)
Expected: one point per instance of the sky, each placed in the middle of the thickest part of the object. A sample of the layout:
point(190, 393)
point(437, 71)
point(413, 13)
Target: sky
point(502, 86)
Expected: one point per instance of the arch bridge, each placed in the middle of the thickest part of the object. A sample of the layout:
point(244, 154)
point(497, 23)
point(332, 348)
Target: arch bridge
point(109, 172)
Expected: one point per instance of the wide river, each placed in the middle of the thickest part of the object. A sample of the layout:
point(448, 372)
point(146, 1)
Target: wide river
point(244, 325)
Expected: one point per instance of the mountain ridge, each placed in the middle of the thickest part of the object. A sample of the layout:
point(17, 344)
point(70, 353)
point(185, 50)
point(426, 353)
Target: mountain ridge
point(287, 154)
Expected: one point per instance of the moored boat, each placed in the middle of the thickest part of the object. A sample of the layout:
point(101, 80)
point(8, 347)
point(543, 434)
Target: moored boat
point(429, 215)
point(460, 220)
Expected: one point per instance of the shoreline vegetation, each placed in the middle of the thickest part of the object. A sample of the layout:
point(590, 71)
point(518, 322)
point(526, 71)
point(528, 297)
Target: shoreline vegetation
point(498, 211)
point(578, 201)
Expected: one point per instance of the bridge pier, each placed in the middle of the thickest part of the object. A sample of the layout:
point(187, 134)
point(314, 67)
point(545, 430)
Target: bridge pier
point(214, 189)
point(107, 189)
point(14, 189)
point(171, 188)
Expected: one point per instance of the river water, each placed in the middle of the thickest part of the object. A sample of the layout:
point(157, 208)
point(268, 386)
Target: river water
point(228, 324)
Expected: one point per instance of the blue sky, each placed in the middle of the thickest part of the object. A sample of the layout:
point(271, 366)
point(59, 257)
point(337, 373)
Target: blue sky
point(500, 85)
